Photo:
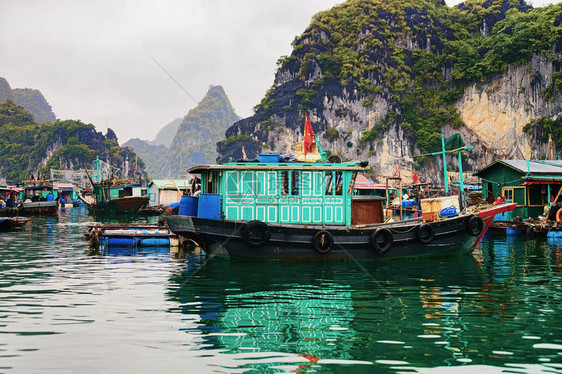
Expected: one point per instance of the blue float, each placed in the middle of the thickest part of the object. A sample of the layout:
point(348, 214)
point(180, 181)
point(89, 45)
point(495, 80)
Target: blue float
point(155, 242)
point(120, 242)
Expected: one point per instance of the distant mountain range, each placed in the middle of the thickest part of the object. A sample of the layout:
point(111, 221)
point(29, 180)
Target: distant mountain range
point(167, 133)
point(32, 100)
point(189, 141)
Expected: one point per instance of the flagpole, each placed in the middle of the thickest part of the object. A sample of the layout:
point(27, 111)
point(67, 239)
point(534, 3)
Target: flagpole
point(445, 165)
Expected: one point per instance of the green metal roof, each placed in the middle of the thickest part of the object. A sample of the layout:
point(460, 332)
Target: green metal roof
point(551, 169)
point(170, 184)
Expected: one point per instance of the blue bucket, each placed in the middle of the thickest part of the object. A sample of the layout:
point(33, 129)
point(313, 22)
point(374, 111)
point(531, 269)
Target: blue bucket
point(209, 206)
point(272, 158)
point(188, 206)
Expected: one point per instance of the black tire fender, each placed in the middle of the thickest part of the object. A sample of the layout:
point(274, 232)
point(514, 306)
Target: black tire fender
point(323, 241)
point(256, 227)
point(474, 225)
point(381, 240)
point(425, 233)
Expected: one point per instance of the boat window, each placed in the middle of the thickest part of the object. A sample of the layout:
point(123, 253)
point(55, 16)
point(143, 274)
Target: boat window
point(508, 194)
point(339, 182)
point(284, 183)
point(295, 183)
point(352, 183)
point(210, 183)
point(328, 184)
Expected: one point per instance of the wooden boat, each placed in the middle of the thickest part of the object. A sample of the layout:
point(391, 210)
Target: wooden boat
point(122, 204)
point(9, 206)
point(38, 199)
point(114, 196)
point(308, 211)
point(13, 223)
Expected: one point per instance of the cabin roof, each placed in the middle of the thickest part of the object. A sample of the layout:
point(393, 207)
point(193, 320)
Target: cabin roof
point(170, 184)
point(531, 168)
point(277, 166)
point(63, 186)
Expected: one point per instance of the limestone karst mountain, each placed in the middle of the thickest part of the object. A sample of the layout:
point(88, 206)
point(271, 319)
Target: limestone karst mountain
point(194, 140)
point(384, 80)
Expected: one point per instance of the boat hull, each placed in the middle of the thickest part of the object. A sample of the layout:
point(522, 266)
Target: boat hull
point(409, 238)
point(129, 205)
point(44, 208)
point(12, 223)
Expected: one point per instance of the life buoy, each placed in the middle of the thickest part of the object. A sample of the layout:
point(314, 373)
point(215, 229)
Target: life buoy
point(323, 241)
point(559, 215)
point(425, 233)
point(381, 240)
point(256, 233)
point(474, 225)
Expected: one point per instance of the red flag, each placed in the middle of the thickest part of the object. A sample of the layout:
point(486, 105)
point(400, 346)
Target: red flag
point(308, 134)
point(415, 176)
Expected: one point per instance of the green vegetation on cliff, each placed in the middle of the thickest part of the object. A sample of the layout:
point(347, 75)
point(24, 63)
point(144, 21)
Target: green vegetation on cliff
point(28, 147)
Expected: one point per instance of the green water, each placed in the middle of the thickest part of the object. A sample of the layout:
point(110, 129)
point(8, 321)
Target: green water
point(64, 310)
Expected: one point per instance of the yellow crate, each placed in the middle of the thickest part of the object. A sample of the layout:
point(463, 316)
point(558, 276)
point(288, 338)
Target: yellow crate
point(430, 207)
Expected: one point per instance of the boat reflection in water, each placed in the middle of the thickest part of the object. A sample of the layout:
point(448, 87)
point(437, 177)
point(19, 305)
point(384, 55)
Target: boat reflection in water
point(399, 314)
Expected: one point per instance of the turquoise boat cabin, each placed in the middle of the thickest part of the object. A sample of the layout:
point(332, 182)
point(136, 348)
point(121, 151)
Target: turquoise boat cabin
point(284, 193)
point(38, 190)
point(106, 191)
point(532, 184)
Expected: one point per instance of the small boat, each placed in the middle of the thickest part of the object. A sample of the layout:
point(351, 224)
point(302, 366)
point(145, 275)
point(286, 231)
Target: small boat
point(13, 223)
point(112, 199)
point(38, 199)
point(299, 210)
point(114, 196)
point(8, 201)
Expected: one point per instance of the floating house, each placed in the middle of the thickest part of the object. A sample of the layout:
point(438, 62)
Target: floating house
point(66, 191)
point(167, 191)
point(365, 186)
point(531, 184)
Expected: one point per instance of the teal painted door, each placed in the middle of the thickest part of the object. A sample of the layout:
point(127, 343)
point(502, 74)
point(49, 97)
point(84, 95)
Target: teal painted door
point(334, 198)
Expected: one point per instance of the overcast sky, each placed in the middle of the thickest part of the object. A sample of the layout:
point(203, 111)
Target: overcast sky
point(90, 61)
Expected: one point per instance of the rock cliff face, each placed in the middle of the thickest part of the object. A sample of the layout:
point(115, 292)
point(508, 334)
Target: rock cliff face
point(497, 111)
point(383, 81)
point(32, 100)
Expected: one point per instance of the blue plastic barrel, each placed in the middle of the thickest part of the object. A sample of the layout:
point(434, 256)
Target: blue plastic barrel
point(209, 206)
point(121, 242)
point(155, 242)
point(188, 206)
